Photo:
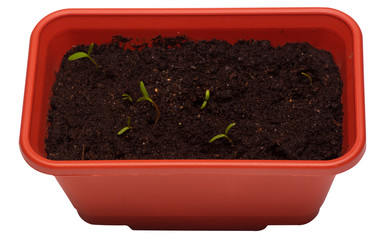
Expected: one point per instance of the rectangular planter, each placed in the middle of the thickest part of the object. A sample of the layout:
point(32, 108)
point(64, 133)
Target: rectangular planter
point(188, 193)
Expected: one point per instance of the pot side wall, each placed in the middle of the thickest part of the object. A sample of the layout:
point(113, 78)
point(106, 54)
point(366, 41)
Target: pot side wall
point(162, 201)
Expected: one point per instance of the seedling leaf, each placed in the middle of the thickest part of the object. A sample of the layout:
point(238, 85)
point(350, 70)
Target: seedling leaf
point(207, 97)
point(217, 137)
point(223, 135)
point(204, 104)
point(128, 127)
point(308, 76)
point(123, 130)
point(77, 55)
point(143, 90)
point(228, 128)
point(146, 97)
point(127, 97)
point(90, 49)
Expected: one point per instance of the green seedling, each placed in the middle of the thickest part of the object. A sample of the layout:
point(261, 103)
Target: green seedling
point(146, 97)
point(308, 76)
point(128, 127)
point(207, 97)
point(224, 135)
point(79, 55)
point(127, 97)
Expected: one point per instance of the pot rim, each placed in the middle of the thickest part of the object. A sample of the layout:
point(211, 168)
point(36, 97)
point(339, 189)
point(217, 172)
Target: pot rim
point(206, 166)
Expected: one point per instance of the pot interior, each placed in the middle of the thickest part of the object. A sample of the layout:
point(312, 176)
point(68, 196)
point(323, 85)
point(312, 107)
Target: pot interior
point(57, 34)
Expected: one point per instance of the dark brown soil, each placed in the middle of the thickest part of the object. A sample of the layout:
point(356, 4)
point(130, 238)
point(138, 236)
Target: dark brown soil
point(279, 113)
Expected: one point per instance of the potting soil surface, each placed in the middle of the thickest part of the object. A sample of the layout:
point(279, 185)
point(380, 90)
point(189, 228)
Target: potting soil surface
point(285, 101)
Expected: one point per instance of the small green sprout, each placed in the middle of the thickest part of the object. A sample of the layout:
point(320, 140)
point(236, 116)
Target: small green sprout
point(146, 97)
point(127, 97)
point(224, 135)
point(207, 97)
point(128, 127)
point(78, 55)
point(308, 76)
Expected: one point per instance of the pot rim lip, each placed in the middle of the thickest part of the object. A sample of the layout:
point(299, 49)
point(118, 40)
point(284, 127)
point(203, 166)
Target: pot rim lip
point(199, 11)
point(89, 167)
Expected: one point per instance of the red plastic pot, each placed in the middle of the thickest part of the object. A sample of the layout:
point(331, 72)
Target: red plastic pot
point(194, 194)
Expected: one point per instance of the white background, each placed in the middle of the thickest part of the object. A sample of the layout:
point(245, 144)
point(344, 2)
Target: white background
point(33, 206)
